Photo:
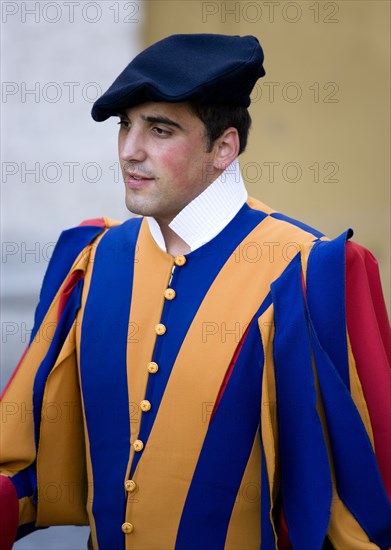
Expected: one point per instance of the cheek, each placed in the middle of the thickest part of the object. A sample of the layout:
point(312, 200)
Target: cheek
point(175, 161)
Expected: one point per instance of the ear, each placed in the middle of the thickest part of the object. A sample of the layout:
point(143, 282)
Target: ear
point(226, 148)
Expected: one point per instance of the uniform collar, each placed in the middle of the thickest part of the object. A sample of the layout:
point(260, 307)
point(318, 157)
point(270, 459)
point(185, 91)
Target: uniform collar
point(206, 215)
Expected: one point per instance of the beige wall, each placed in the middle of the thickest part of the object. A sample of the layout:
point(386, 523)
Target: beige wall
point(326, 130)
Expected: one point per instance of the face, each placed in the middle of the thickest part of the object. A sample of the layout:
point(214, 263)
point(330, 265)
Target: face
point(163, 157)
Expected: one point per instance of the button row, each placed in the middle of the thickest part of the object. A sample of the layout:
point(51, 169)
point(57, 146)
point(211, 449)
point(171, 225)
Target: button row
point(145, 405)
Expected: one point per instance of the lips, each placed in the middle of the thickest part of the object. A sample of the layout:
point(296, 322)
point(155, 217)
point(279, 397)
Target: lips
point(137, 180)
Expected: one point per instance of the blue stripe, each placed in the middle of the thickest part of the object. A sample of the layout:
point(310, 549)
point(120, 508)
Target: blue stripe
point(191, 283)
point(104, 377)
point(358, 480)
point(305, 473)
point(225, 453)
point(326, 299)
point(297, 223)
point(63, 327)
point(70, 243)
point(25, 482)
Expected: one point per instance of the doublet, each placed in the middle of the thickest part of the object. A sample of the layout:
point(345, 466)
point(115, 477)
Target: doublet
point(189, 403)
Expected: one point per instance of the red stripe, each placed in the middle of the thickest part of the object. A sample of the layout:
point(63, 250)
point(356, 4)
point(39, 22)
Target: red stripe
point(94, 221)
point(282, 534)
point(9, 513)
point(370, 337)
point(67, 290)
point(229, 371)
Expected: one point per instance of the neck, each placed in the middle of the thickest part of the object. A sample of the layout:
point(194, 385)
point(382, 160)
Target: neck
point(174, 244)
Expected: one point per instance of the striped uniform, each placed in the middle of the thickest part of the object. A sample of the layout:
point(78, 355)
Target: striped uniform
point(206, 401)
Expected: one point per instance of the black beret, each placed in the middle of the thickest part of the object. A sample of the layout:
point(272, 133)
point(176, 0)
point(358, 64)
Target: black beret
point(202, 68)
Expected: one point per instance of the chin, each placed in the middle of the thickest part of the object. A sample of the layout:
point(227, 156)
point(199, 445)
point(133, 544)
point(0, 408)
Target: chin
point(138, 209)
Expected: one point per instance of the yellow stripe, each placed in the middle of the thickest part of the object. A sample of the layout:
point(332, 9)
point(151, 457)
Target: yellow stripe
point(258, 205)
point(344, 531)
point(27, 511)
point(179, 430)
point(89, 256)
point(244, 530)
point(358, 395)
point(269, 423)
point(61, 470)
point(355, 384)
point(17, 434)
point(152, 270)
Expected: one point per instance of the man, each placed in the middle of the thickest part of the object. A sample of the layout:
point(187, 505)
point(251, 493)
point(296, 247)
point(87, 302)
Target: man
point(210, 395)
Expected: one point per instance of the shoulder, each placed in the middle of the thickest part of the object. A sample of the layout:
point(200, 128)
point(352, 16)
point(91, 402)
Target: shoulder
point(72, 246)
point(282, 226)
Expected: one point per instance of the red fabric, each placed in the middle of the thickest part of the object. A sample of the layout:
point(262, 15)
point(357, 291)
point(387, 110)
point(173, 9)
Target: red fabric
point(282, 534)
point(9, 513)
point(100, 222)
point(370, 337)
point(76, 275)
point(229, 372)
point(67, 290)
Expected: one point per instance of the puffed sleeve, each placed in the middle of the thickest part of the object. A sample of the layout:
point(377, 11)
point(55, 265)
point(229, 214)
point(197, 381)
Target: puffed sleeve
point(34, 411)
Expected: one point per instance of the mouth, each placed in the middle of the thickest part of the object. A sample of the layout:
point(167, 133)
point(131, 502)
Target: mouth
point(137, 180)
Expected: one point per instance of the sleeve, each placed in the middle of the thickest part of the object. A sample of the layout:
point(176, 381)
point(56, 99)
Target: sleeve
point(370, 337)
point(328, 465)
point(24, 403)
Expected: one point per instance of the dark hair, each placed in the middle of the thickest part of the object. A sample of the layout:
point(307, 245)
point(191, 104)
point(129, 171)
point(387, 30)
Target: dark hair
point(218, 118)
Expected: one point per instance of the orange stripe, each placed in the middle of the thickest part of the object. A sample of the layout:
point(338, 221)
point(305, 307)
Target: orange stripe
point(89, 258)
point(152, 270)
point(355, 384)
point(17, 433)
point(269, 423)
point(245, 527)
point(27, 511)
point(61, 469)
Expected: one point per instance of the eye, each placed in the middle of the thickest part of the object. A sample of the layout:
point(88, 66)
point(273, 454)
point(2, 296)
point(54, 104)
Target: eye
point(124, 123)
point(161, 132)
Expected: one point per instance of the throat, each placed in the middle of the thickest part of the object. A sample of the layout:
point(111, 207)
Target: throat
point(175, 245)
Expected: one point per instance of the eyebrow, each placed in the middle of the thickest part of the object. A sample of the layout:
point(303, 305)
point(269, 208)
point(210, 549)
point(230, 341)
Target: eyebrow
point(162, 120)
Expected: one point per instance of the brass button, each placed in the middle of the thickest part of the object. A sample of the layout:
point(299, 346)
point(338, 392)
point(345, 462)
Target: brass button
point(138, 445)
point(179, 260)
point(169, 294)
point(160, 329)
point(145, 405)
point(127, 528)
point(153, 367)
point(130, 485)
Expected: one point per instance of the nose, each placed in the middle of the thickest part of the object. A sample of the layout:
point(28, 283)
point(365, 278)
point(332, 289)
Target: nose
point(131, 146)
